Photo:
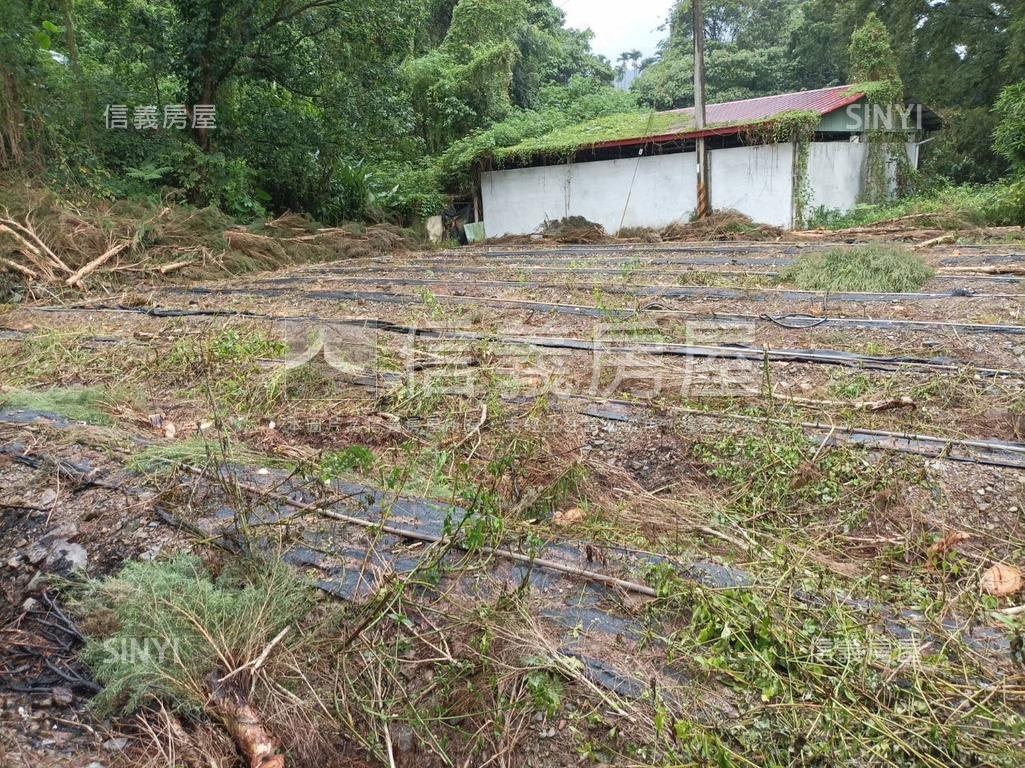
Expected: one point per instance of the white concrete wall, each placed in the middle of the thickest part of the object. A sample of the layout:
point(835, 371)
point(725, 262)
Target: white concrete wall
point(757, 181)
point(835, 174)
point(752, 180)
point(519, 200)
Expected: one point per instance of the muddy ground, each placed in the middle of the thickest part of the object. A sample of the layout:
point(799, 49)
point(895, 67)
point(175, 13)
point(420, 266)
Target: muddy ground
point(702, 518)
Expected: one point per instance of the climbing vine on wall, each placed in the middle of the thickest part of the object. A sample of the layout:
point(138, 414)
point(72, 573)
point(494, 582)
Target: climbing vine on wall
point(874, 67)
point(797, 127)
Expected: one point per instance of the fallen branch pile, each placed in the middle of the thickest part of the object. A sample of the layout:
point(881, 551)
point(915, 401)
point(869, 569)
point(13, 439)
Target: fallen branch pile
point(32, 248)
point(56, 245)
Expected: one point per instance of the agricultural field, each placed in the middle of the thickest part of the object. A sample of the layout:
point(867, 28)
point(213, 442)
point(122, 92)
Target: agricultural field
point(742, 503)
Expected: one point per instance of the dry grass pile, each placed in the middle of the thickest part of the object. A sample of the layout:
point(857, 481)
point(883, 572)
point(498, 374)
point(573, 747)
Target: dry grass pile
point(53, 242)
point(721, 225)
point(514, 240)
point(303, 241)
point(640, 235)
point(574, 229)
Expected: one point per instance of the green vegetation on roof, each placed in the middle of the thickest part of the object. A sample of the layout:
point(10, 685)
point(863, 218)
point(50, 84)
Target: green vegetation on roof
point(555, 133)
point(875, 90)
point(569, 138)
point(634, 125)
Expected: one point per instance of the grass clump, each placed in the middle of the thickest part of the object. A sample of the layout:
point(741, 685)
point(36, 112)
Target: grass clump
point(778, 473)
point(86, 404)
point(870, 268)
point(198, 451)
point(157, 631)
point(226, 368)
point(951, 207)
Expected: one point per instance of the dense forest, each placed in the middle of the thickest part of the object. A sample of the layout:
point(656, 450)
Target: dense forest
point(349, 110)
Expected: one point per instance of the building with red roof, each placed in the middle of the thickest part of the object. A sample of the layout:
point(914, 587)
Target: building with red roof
point(639, 170)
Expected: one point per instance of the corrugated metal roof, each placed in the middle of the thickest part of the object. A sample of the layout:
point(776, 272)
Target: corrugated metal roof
point(730, 116)
point(823, 101)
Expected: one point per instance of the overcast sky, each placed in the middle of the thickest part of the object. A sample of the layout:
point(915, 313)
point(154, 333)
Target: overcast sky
point(617, 25)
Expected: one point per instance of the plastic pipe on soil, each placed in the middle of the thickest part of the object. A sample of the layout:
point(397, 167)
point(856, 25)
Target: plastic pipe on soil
point(658, 291)
point(811, 356)
point(797, 321)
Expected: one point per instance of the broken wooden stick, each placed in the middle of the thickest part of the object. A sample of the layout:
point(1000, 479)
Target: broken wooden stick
point(166, 268)
point(27, 235)
point(21, 268)
point(550, 565)
point(941, 240)
point(96, 263)
point(1000, 269)
point(30, 251)
point(858, 405)
point(244, 724)
point(259, 661)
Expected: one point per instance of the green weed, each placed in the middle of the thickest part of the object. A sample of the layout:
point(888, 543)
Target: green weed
point(89, 404)
point(335, 464)
point(159, 630)
point(778, 472)
point(868, 268)
point(198, 451)
point(951, 207)
point(224, 369)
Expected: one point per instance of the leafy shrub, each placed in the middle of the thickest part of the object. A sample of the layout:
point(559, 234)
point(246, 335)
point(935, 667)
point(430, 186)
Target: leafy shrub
point(870, 268)
point(962, 153)
point(348, 197)
point(1009, 137)
point(214, 179)
point(950, 206)
point(417, 190)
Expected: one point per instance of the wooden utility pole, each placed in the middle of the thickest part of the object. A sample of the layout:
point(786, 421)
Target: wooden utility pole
point(704, 196)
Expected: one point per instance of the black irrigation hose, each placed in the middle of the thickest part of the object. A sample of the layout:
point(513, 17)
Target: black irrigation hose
point(997, 453)
point(688, 351)
point(780, 320)
point(639, 251)
point(813, 322)
point(991, 452)
point(657, 291)
point(732, 352)
point(649, 267)
point(626, 249)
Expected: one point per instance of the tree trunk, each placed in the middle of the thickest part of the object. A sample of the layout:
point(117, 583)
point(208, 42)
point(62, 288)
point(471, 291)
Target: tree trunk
point(244, 725)
point(12, 120)
point(84, 92)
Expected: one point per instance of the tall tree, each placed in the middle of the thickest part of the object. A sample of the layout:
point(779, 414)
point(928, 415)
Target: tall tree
point(218, 38)
point(745, 52)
